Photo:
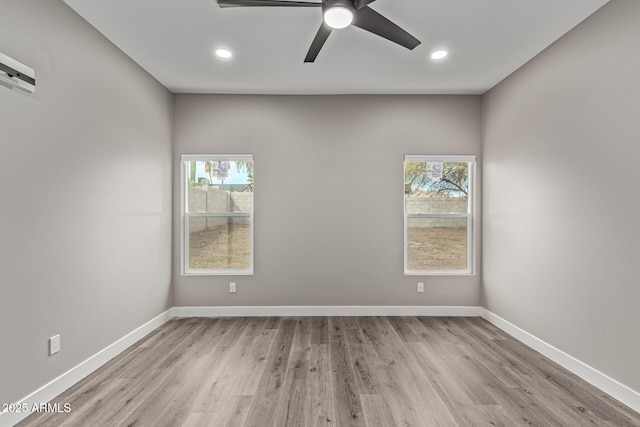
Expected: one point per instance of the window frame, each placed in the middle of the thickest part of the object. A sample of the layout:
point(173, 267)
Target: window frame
point(471, 215)
point(185, 270)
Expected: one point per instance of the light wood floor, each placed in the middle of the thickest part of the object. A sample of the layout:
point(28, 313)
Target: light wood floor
point(335, 371)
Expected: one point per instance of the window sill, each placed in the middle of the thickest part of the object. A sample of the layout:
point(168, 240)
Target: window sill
point(218, 273)
point(439, 273)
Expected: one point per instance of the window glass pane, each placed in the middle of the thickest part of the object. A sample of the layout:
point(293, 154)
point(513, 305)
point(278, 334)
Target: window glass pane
point(219, 186)
point(436, 187)
point(437, 243)
point(219, 242)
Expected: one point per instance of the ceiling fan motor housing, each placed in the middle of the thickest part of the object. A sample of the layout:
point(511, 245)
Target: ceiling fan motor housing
point(328, 4)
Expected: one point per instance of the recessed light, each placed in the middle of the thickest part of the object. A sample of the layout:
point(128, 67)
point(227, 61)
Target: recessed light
point(223, 53)
point(439, 54)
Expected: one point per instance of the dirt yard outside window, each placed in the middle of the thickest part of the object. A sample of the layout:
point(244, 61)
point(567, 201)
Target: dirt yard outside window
point(229, 246)
point(437, 248)
point(222, 247)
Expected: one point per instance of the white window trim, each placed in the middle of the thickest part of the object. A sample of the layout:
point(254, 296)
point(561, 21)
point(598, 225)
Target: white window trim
point(184, 215)
point(470, 215)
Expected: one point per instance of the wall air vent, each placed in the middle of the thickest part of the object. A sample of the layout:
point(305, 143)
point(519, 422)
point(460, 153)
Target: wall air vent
point(16, 74)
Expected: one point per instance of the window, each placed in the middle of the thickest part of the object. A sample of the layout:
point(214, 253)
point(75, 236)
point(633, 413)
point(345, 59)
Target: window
point(438, 214)
point(217, 214)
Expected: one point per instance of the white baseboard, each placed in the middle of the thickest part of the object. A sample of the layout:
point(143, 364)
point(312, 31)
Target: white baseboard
point(617, 390)
point(342, 310)
point(52, 389)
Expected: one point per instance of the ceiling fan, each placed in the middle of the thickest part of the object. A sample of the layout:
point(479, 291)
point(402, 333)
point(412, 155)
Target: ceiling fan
point(339, 14)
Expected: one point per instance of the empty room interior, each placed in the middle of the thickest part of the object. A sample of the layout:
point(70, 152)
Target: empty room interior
point(319, 213)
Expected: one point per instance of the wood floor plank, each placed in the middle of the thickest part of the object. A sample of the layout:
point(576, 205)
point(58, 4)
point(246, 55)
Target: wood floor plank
point(486, 367)
point(506, 369)
point(168, 403)
point(81, 393)
point(411, 398)
point(346, 399)
point(216, 359)
point(292, 409)
point(538, 390)
point(272, 322)
point(518, 376)
point(402, 329)
point(233, 412)
point(320, 409)
point(441, 379)
point(247, 354)
point(338, 371)
point(303, 334)
point(590, 397)
point(196, 419)
point(129, 398)
point(263, 408)
point(219, 360)
point(86, 412)
point(376, 411)
point(482, 415)
point(319, 332)
point(361, 357)
point(165, 354)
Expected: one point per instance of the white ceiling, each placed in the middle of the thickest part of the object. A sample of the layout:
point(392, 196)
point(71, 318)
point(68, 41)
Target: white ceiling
point(487, 39)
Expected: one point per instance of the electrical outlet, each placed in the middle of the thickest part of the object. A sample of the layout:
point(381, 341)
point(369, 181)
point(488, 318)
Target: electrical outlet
point(232, 287)
point(54, 345)
point(420, 287)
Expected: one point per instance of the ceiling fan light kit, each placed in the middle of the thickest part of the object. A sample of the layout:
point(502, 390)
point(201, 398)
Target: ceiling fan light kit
point(339, 14)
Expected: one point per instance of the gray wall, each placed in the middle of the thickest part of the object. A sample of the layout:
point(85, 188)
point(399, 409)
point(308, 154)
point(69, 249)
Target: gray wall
point(561, 156)
point(339, 240)
point(85, 193)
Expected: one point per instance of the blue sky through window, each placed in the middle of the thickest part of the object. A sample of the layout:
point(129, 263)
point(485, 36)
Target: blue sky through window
point(234, 176)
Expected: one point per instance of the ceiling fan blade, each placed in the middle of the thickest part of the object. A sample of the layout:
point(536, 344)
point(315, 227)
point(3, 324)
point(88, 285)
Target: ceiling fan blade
point(370, 20)
point(362, 3)
point(238, 3)
point(321, 36)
